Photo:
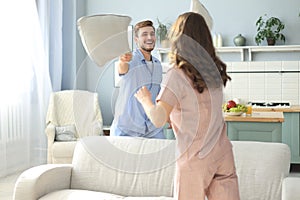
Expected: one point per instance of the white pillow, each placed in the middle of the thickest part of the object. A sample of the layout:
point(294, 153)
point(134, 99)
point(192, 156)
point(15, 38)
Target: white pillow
point(104, 37)
point(198, 7)
point(65, 133)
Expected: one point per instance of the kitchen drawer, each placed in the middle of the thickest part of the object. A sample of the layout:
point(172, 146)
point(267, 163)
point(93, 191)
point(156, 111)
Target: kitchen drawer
point(255, 131)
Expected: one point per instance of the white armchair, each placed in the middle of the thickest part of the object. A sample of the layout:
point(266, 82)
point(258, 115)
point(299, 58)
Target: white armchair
point(72, 114)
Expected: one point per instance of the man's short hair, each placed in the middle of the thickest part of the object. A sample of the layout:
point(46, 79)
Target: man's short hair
point(142, 24)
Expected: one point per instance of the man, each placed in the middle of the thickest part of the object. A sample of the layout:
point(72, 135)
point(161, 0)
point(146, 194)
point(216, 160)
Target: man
point(137, 69)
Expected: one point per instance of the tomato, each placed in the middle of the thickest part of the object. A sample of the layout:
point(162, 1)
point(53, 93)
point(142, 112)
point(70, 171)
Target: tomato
point(231, 104)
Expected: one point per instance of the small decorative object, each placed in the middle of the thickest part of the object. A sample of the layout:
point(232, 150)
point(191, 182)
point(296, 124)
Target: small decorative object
point(239, 40)
point(269, 29)
point(219, 40)
point(215, 40)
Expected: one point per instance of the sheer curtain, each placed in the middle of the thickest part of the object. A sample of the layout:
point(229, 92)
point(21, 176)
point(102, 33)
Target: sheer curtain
point(51, 20)
point(24, 86)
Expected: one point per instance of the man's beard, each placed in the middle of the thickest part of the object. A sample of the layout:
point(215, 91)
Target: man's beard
point(147, 49)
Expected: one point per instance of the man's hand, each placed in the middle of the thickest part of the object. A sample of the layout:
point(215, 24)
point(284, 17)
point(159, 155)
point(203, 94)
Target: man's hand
point(143, 95)
point(126, 57)
point(123, 63)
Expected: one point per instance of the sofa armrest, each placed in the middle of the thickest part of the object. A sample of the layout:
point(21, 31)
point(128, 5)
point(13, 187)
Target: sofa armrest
point(290, 188)
point(41, 180)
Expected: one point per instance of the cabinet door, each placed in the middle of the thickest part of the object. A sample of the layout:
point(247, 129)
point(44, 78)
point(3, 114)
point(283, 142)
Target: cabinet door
point(254, 131)
point(290, 135)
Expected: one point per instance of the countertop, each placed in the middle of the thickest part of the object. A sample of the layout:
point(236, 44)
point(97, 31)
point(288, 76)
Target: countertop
point(257, 116)
point(294, 108)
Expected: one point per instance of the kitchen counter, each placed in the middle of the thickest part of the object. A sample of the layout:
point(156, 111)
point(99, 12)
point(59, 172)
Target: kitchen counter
point(294, 108)
point(257, 116)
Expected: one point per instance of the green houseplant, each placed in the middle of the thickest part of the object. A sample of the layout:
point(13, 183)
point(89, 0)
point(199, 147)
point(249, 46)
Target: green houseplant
point(269, 29)
point(162, 33)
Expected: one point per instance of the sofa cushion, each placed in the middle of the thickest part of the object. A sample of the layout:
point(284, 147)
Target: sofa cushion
point(128, 166)
point(92, 195)
point(149, 198)
point(79, 195)
point(261, 168)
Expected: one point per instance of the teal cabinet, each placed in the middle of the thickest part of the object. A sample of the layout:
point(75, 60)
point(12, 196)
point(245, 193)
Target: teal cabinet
point(255, 131)
point(290, 134)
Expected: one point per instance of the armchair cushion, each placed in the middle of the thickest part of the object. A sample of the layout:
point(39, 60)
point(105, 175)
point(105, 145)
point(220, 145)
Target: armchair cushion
point(65, 133)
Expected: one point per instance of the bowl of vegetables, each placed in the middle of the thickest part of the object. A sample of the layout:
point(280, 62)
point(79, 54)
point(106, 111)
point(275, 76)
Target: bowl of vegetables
point(232, 108)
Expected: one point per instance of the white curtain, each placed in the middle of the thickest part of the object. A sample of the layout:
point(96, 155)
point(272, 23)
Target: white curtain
point(51, 18)
point(24, 86)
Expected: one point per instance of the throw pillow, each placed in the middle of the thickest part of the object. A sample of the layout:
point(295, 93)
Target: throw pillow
point(104, 37)
point(65, 133)
point(198, 7)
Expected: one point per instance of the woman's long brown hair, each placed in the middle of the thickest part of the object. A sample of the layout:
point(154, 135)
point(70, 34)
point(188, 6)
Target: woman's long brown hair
point(193, 26)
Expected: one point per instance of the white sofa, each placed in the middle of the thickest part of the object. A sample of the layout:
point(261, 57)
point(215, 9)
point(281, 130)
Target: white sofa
point(129, 168)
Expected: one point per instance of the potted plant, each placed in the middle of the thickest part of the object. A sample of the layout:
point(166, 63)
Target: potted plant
point(162, 33)
point(269, 29)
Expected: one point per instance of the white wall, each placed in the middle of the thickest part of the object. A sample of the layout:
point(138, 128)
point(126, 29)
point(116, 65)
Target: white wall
point(231, 17)
point(265, 86)
point(165, 10)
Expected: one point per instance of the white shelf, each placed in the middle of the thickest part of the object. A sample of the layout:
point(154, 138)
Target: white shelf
point(252, 49)
point(278, 48)
point(232, 50)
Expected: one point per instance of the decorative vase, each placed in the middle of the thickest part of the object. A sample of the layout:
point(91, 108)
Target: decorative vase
point(219, 40)
point(215, 40)
point(239, 40)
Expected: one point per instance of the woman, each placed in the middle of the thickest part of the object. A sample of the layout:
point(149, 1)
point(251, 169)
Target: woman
point(191, 98)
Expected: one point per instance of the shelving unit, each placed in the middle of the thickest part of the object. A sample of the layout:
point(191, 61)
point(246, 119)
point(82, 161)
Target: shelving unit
point(253, 49)
point(242, 50)
point(281, 48)
point(232, 50)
